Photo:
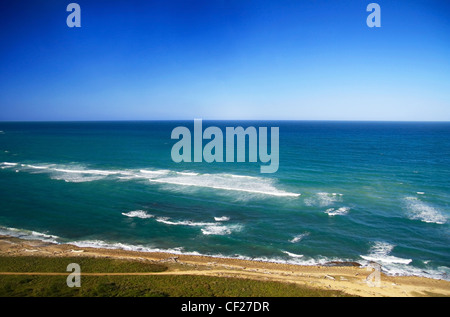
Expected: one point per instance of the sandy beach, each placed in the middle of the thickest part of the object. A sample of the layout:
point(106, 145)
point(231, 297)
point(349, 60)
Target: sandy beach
point(350, 279)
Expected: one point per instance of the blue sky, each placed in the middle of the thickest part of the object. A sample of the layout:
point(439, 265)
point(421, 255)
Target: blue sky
point(217, 59)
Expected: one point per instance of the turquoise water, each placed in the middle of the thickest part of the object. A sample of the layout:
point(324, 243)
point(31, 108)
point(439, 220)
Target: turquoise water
point(344, 191)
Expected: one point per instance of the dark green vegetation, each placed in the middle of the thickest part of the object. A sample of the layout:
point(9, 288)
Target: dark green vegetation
point(149, 286)
point(87, 264)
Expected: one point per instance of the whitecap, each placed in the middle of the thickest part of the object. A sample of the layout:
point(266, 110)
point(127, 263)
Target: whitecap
point(166, 221)
point(216, 230)
point(207, 228)
point(224, 218)
point(337, 212)
point(187, 173)
point(138, 214)
point(419, 210)
point(293, 255)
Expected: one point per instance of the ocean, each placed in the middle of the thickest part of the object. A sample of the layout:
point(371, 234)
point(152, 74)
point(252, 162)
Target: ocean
point(344, 191)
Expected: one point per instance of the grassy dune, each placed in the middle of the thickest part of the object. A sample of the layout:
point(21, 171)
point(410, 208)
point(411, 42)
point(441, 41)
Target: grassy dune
point(138, 285)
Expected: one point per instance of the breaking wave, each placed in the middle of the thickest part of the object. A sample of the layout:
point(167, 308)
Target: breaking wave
point(293, 255)
point(207, 228)
point(28, 234)
point(224, 182)
point(224, 218)
point(137, 214)
point(380, 251)
point(392, 265)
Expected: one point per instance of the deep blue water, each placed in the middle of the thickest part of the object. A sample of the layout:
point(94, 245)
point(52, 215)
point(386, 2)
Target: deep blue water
point(349, 191)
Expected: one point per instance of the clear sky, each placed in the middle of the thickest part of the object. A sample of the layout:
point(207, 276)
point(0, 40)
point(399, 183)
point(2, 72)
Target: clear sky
point(225, 59)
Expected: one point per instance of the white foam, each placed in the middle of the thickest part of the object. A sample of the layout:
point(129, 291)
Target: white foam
point(8, 164)
point(420, 193)
point(28, 234)
point(226, 182)
point(77, 178)
point(229, 229)
point(216, 230)
point(108, 245)
point(40, 167)
point(88, 171)
point(441, 273)
point(298, 260)
point(153, 172)
point(166, 221)
point(323, 199)
point(419, 210)
point(337, 212)
point(187, 173)
point(129, 247)
point(72, 173)
point(240, 176)
point(379, 252)
point(224, 218)
point(299, 237)
point(293, 255)
point(207, 228)
point(138, 214)
point(386, 259)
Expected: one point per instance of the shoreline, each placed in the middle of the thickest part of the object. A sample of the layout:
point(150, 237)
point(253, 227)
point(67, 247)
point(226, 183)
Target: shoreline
point(345, 277)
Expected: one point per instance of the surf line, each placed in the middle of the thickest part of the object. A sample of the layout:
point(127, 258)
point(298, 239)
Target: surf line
point(213, 150)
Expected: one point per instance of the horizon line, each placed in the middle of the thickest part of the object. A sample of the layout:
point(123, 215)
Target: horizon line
point(192, 119)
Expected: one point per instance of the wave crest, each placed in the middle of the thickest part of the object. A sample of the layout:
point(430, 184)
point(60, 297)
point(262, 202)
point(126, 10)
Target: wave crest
point(137, 214)
point(223, 182)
